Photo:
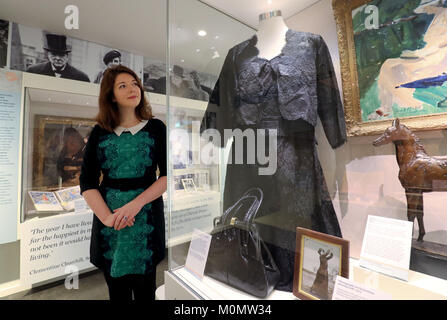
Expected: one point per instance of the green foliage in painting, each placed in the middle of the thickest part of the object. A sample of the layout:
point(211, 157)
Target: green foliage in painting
point(399, 29)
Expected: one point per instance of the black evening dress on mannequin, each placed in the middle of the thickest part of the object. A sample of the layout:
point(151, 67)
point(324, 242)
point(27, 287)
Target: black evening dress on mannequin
point(286, 93)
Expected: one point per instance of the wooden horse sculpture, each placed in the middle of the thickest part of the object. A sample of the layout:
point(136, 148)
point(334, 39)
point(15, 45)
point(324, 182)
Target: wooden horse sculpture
point(418, 172)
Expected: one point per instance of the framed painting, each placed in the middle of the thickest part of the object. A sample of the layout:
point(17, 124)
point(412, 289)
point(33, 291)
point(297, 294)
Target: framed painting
point(319, 259)
point(393, 57)
point(59, 145)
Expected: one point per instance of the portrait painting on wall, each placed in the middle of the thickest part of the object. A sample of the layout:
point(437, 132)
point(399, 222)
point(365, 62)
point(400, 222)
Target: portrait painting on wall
point(59, 146)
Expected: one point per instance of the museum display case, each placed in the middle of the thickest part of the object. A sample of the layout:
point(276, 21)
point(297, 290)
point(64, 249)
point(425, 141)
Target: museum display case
point(261, 83)
point(53, 148)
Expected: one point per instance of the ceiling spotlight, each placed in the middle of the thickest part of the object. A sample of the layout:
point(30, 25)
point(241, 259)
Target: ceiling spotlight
point(197, 50)
point(201, 33)
point(216, 37)
point(183, 60)
point(269, 1)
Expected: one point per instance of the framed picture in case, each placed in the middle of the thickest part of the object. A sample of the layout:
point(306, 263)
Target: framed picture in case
point(319, 259)
point(59, 143)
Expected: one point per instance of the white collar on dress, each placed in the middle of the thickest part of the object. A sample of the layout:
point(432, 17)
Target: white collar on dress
point(118, 130)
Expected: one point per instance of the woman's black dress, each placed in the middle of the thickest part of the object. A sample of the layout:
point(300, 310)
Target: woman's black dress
point(128, 164)
point(285, 93)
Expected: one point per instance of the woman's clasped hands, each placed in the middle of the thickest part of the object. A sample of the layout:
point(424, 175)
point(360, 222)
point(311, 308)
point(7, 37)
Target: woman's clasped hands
point(124, 216)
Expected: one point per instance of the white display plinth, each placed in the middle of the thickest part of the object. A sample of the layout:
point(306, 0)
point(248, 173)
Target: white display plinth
point(178, 281)
point(180, 284)
point(418, 287)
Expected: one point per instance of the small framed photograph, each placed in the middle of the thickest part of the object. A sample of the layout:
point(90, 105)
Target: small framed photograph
point(189, 185)
point(319, 259)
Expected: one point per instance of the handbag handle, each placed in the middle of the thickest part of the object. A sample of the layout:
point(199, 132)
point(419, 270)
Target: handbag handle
point(256, 195)
point(259, 195)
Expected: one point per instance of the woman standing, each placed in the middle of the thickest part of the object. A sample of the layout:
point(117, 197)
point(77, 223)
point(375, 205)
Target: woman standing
point(126, 146)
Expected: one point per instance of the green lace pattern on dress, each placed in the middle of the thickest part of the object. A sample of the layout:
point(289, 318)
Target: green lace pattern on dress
point(127, 155)
point(128, 248)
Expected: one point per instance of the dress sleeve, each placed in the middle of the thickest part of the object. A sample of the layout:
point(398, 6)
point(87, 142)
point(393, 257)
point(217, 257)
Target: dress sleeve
point(91, 168)
point(330, 108)
point(222, 99)
point(161, 150)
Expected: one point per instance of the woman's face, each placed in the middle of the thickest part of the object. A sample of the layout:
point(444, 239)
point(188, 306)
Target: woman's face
point(126, 91)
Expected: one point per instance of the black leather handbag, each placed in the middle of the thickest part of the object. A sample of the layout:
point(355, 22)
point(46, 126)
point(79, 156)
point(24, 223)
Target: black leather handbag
point(237, 255)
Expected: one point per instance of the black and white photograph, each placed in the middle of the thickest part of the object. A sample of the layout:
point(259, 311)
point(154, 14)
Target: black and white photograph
point(37, 51)
point(111, 57)
point(320, 258)
point(321, 265)
point(154, 79)
point(185, 83)
point(4, 30)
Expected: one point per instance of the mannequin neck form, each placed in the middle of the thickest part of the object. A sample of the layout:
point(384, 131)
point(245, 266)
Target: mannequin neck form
point(271, 36)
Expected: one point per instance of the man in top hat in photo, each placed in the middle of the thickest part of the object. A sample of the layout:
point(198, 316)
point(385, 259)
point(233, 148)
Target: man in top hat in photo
point(111, 58)
point(57, 66)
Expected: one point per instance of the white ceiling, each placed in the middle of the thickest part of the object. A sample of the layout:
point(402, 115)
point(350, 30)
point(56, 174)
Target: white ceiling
point(139, 26)
point(248, 11)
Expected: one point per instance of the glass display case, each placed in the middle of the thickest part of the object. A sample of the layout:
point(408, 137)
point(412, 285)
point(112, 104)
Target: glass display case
point(195, 166)
point(281, 98)
point(56, 222)
point(193, 197)
point(57, 126)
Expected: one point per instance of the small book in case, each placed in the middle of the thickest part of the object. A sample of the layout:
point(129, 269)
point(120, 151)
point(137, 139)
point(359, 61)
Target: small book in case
point(60, 200)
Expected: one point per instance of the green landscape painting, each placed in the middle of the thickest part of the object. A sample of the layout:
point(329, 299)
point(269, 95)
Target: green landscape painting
point(401, 55)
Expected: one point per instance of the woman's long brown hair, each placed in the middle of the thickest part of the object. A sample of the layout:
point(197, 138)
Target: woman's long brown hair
point(108, 116)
